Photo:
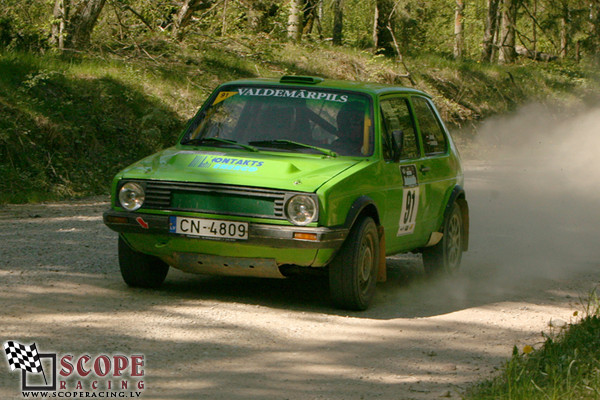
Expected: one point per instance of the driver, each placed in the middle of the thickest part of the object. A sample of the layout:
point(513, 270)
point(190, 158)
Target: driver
point(351, 126)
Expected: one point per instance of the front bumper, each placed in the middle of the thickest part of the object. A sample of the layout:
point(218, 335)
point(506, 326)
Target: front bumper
point(270, 236)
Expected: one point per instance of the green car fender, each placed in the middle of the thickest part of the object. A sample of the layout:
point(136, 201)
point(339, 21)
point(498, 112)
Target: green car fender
point(347, 194)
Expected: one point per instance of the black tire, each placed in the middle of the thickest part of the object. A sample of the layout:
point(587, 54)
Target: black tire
point(353, 271)
point(139, 269)
point(445, 257)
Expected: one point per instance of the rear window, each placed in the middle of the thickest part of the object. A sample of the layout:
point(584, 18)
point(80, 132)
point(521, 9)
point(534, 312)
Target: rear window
point(269, 117)
point(432, 133)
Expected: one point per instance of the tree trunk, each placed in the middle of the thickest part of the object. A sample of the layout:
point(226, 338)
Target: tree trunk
point(507, 32)
point(60, 15)
point(564, 31)
point(319, 18)
point(338, 22)
point(74, 21)
point(384, 37)
point(375, 20)
point(81, 22)
point(310, 16)
point(459, 42)
point(224, 22)
point(563, 38)
point(185, 14)
point(534, 27)
point(491, 28)
point(253, 19)
point(496, 39)
point(293, 28)
point(594, 18)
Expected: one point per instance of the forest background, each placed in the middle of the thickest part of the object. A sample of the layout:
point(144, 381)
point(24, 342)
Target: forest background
point(89, 86)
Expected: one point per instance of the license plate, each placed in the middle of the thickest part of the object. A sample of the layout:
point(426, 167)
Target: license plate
point(208, 228)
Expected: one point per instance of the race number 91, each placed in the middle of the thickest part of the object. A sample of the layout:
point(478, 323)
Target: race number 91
point(408, 214)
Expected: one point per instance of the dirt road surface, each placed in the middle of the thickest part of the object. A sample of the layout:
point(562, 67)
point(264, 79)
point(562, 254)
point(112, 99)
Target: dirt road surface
point(534, 254)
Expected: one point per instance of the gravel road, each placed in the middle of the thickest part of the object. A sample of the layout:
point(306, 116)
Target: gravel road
point(534, 255)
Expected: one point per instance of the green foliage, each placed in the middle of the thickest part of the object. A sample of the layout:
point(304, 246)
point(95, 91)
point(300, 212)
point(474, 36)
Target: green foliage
point(22, 25)
point(567, 366)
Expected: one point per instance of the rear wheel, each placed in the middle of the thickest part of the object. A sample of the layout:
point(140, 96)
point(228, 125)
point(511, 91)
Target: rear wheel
point(353, 272)
point(447, 254)
point(139, 269)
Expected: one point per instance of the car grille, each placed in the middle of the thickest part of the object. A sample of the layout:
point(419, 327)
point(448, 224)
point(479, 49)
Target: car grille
point(214, 199)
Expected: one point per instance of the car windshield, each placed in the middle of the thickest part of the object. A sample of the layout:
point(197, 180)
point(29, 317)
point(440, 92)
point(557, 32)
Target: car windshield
point(285, 119)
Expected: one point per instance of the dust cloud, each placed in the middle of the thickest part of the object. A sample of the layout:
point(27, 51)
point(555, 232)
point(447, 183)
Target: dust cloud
point(533, 186)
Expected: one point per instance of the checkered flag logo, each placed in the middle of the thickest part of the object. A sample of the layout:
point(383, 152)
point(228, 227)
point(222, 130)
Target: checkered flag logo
point(23, 357)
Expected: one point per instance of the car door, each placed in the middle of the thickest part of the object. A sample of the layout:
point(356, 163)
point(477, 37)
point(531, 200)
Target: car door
point(402, 154)
point(436, 170)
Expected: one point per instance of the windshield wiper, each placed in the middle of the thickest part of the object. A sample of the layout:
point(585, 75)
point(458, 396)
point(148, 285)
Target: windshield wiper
point(291, 143)
point(214, 140)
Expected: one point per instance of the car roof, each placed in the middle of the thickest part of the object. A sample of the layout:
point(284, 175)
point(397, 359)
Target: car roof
point(317, 82)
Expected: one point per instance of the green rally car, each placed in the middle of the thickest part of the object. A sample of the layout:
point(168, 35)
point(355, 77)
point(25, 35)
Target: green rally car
point(280, 176)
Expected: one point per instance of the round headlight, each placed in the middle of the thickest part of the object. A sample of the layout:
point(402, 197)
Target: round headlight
point(301, 210)
point(131, 196)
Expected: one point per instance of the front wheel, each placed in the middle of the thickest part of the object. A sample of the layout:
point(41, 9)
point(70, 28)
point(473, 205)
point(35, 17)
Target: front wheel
point(139, 269)
point(353, 271)
point(447, 254)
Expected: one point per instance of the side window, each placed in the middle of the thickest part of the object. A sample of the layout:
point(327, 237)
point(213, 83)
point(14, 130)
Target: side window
point(434, 140)
point(396, 118)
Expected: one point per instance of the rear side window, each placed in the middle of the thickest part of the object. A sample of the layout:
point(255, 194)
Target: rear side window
point(397, 119)
point(434, 139)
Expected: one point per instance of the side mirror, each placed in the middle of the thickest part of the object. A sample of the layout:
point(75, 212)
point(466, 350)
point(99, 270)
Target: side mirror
point(398, 143)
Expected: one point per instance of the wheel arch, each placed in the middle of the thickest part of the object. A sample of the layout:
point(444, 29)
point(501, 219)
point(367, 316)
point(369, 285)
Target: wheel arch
point(362, 206)
point(458, 196)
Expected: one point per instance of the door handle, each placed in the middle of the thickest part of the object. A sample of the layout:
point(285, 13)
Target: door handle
point(424, 169)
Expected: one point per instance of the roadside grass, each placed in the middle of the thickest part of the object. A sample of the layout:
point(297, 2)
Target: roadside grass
point(64, 132)
point(566, 366)
point(68, 123)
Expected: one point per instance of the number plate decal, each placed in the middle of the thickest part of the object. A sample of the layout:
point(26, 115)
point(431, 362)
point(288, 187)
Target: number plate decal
point(212, 228)
point(410, 207)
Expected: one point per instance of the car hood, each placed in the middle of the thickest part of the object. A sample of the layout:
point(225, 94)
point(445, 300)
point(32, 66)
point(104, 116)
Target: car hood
point(285, 171)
